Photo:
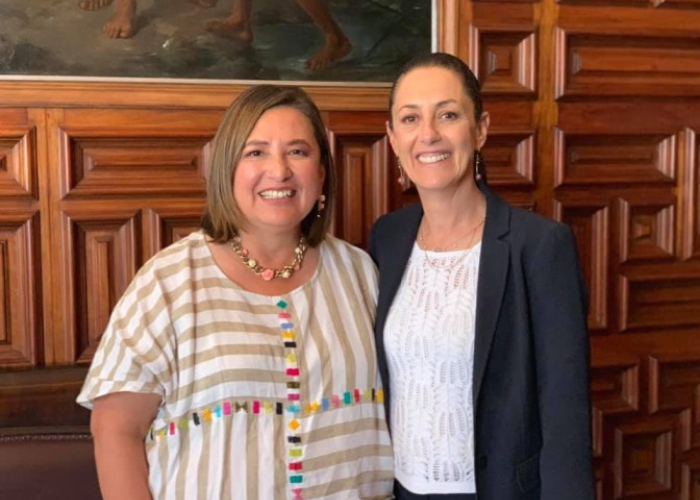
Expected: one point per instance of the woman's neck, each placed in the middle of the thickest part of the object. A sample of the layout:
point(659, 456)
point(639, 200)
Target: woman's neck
point(446, 215)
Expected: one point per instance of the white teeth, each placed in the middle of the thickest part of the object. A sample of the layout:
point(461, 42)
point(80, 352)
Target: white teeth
point(276, 195)
point(433, 158)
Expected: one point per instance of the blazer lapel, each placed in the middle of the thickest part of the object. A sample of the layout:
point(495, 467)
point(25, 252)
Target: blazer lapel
point(493, 269)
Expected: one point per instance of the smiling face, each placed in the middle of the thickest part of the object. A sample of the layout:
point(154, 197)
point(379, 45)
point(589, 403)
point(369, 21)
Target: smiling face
point(279, 176)
point(433, 130)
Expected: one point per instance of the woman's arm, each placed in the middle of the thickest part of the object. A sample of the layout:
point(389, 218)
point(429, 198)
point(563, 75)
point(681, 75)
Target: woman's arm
point(119, 424)
point(558, 302)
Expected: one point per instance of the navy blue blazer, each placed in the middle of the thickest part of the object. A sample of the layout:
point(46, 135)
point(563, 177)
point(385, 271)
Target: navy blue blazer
point(531, 402)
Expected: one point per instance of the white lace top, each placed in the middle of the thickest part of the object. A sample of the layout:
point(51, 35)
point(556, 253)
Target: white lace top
point(429, 341)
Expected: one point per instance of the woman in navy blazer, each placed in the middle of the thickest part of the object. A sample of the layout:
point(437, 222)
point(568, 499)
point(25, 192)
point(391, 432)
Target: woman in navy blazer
point(520, 427)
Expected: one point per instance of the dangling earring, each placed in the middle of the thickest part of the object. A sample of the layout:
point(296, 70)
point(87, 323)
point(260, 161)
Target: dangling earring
point(478, 165)
point(402, 175)
point(320, 205)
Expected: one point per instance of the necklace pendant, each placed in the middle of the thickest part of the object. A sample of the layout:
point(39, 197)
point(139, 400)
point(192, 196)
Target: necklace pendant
point(267, 274)
point(286, 274)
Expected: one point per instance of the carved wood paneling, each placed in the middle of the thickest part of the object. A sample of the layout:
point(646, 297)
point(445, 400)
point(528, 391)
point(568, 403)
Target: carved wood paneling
point(105, 256)
point(510, 159)
point(688, 206)
point(507, 62)
point(643, 451)
point(653, 298)
point(676, 388)
point(647, 227)
point(615, 159)
point(690, 486)
point(361, 151)
point(20, 301)
point(136, 166)
point(590, 222)
point(165, 225)
point(645, 406)
point(629, 65)
point(360, 159)
point(21, 327)
point(615, 388)
point(125, 189)
point(623, 107)
point(18, 176)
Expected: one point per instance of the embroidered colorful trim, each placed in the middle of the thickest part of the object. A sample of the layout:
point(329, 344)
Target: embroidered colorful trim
point(295, 450)
point(258, 407)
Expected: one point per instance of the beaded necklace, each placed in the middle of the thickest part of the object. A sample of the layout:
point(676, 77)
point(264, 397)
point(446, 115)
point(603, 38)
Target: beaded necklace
point(267, 273)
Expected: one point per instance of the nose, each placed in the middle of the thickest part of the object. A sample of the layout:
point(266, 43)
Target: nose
point(429, 132)
point(278, 167)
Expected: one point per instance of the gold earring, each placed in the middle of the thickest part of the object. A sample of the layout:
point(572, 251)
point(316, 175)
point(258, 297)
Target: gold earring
point(402, 175)
point(478, 165)
point(320, 205)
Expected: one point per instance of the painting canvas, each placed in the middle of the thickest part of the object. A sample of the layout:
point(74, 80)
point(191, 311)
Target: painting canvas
point(292, 40)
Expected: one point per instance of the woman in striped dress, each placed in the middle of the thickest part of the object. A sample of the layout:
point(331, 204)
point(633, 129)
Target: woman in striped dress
point(239, 363)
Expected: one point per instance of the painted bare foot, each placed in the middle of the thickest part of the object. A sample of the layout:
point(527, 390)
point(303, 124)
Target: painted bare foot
point(118, 28)
point(94, 4)
point(230, 28)
point(122, 23)
point(203, 3)
point(332, 51)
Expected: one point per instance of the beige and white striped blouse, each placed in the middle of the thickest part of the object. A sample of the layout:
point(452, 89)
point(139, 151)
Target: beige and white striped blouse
point(263, 397)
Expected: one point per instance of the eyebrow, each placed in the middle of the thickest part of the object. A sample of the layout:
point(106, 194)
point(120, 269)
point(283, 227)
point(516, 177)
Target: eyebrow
point(293, 142)
point(440, 104)
point(255, 143)
point(297, 142)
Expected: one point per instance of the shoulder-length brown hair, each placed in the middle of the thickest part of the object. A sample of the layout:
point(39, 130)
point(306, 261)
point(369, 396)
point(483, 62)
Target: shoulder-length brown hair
point(223, 217)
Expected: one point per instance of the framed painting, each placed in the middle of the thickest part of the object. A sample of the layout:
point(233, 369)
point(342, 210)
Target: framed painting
point(201, 40)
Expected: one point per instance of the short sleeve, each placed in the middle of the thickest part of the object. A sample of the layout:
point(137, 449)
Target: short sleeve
point(134, 350)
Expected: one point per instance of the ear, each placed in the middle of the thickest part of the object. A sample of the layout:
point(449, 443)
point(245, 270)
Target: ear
point(392, 137)
point(482, 129)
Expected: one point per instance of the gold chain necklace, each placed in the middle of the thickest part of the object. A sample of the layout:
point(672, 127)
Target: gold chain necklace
point(267, 273)
point(437, 266)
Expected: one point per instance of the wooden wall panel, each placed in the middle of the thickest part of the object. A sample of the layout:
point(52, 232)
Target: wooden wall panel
point(594, 64)
point(508, 62)
point(104, 253)
point(18, 177)
point(358, 206)
point(615, 159)
point(614, 119)
point(20, 305)
point(510, 159)
point(589, 220)
point(126, 187)
point(20, 240)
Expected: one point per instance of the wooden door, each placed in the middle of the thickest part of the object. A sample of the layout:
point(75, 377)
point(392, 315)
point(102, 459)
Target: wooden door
point(603, 99)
